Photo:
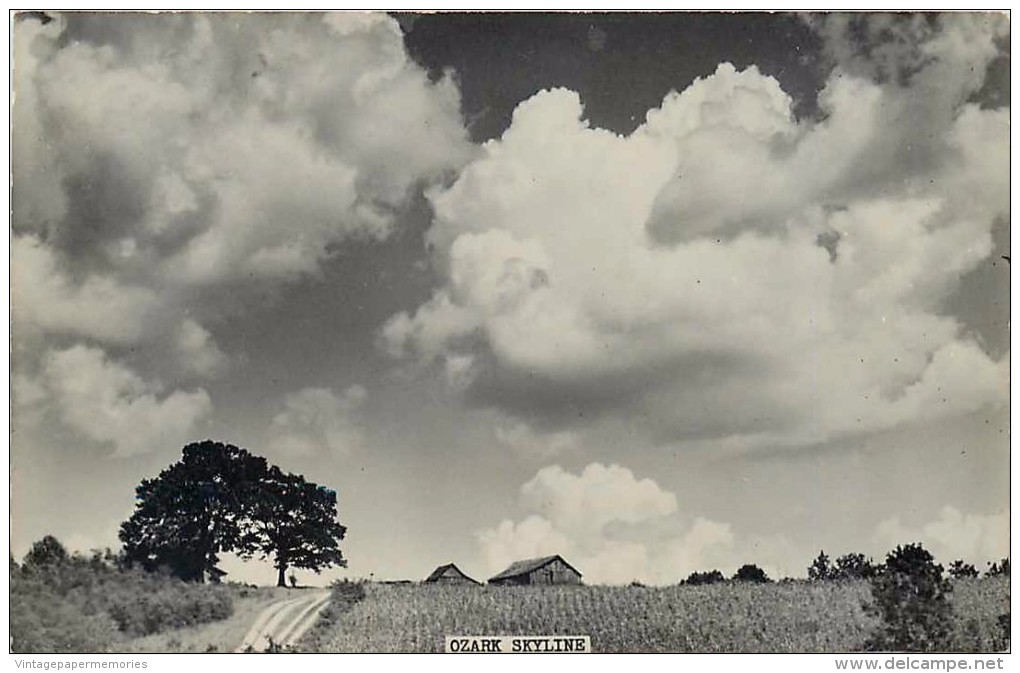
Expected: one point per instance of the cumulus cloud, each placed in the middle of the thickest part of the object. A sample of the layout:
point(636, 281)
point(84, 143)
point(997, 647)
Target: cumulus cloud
point(317, 420)
point(198, 350)
point(108, 403)
point(226, 146)
point(169, 167)
point(613, 525)
point(598, 496)
point(727, 272)
point(180, 151)
point(975, 538)
point(44, 297)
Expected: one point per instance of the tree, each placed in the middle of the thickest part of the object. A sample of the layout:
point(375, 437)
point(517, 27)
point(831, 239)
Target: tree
point(751, 573)
point(709, 577)
point(821, 568)
point(999, 569)
point(45, 553)
point(960, 570)
point(855, 567)
point(295, 522)
point(911, 597)
point(220, 498)
point(195, 509)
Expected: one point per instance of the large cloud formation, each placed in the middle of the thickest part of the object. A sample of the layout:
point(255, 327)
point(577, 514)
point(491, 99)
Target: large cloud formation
point(166, 164)
point(614, 526)
point(727, 272)
point(617, 528)
point(976, 538)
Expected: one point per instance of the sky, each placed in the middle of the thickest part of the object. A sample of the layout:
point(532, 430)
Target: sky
point(661, 293)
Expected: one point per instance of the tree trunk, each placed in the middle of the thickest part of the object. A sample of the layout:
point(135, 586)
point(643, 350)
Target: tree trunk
point(281, 568)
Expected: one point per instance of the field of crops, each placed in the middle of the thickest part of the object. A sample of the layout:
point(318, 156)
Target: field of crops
point(731, 617)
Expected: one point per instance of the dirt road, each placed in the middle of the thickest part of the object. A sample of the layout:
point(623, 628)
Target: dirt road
point(286, 620)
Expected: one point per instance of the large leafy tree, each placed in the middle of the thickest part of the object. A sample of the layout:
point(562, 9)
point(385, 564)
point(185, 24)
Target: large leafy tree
point(295, 522)
point(911, 595)
point(195, 509)
point(220, 498)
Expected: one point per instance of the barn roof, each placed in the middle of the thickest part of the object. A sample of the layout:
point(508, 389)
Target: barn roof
point(530, 565)
point(438, 572)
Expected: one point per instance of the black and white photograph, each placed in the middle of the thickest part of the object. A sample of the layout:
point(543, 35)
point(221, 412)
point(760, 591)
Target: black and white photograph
point(678, 332)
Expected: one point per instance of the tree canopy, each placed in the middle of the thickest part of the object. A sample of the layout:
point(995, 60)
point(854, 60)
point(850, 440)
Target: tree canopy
point(751, 573)
point(296, 522)
point(221, 498)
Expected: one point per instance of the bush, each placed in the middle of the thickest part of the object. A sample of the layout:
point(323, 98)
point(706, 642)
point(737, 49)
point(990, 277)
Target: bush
point(710, 577)
point(171, 606)
point(960, 570)
point(821, 568)
point(44, 622)
point(855, 567)
point(1000, 569)
point(47, 552)
point(910, 595)
point(70, 603)
point(751, 573)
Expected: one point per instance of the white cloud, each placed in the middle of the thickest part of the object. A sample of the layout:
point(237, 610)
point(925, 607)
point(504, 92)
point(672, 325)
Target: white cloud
point(713, 273)
point(975, 538)
point(706, 545)
point(316, 420)
point(532, 537)
point(44, 297)
point(159, 157)
point(198, 350)
point(596, 497)
point(108, 403)
point(610, 525)
point(171, 170)
point(245, 150)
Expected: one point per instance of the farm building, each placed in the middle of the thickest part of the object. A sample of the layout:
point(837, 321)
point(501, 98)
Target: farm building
point(545, 570)
point(449, 574)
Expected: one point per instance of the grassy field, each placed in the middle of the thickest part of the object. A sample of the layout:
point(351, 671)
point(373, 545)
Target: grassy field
point(219, 636)
point(90, 604)
point(731, 617)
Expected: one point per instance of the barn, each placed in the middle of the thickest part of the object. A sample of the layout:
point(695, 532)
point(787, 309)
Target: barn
point(449, 574)
point(544, 570)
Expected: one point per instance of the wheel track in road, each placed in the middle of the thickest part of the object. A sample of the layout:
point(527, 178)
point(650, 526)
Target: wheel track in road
point(283, 622)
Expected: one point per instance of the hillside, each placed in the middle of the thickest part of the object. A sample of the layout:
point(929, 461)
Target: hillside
point(794, 616)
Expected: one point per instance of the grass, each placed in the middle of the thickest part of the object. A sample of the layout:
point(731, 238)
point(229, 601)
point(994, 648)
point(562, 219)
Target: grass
point(981, 612)
point(732, 617)
point(220, 636)
point(87, 604)
point(344, 596)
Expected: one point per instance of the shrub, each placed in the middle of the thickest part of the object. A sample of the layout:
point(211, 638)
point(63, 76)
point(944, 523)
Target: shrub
point(910, 595)
point(710, 577)
point(45, 553)
point(751, 573)
point(960, 570)
point(70, 603)
point(855, 567)
point(821, 568)
point(999, 569)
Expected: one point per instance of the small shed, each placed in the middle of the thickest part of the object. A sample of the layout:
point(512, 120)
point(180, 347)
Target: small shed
point(449, 574)
point(543, 571)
